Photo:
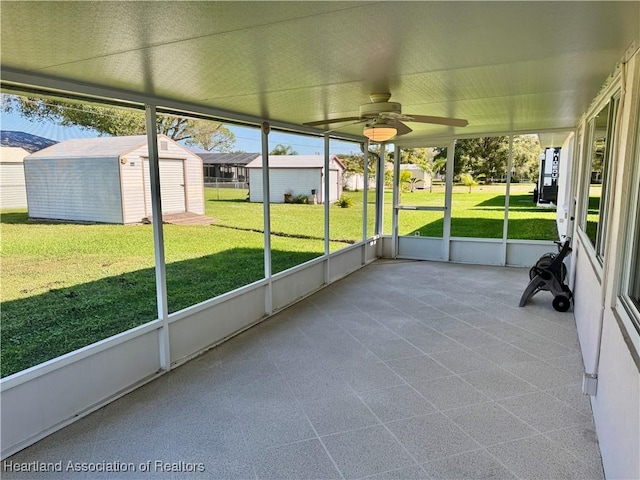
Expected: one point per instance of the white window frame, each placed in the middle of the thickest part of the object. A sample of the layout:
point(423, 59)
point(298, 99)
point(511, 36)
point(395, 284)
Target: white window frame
point(631, 252)
point(613, 101)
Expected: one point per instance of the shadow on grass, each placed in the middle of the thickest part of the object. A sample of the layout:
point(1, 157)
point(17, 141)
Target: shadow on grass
point(495, 201)
point(42, 327)
point(14, 218)
point(518, 229)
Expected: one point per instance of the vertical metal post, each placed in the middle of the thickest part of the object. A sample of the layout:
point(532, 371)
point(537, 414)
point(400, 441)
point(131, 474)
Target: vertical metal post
point(326, 198)
point(380, 191)
point(158, 238)
point(365, 191)
point(396, 202)
point(448, 195)
point(505, 226)
point(266, 212)
point(365, 200)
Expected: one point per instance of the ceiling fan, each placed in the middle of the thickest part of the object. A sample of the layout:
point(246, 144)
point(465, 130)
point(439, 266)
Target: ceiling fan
point(384, 119)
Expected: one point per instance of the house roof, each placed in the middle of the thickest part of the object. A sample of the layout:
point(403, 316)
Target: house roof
point(295, 161)
point(227, 158)
point(30, 143)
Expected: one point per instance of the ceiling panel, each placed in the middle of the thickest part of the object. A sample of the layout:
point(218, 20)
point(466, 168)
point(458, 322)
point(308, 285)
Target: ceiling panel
point(501, 65)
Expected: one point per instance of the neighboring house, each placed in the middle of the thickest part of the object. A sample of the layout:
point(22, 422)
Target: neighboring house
point(296, 175)
point(106, 180)
point(226, 167)
point(14, 147)
point(30, 143)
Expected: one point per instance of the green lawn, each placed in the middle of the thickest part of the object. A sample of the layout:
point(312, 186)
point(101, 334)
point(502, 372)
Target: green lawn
point(479, 213)
point(65, 286)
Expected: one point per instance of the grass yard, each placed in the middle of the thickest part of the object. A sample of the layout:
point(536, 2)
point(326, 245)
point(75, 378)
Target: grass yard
point(65, 286)
point(479, 213)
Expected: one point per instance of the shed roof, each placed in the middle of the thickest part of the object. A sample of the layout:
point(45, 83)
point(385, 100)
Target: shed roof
point(295, 161)
point(12, 154)
point(227, 158)
point(30, 143)
point(93, 147)
point(99, 147)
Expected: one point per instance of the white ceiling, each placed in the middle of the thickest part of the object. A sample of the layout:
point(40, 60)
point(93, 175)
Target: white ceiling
point(502, 65)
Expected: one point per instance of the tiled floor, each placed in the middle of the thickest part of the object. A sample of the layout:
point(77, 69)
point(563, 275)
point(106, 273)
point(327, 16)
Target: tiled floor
point(404, 370)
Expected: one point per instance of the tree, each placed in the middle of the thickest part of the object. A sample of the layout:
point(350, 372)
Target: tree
point(405, 180)
point(488, 156)
point(114, 121)
point(468, 181)
point(525, 162)
point(281, 149)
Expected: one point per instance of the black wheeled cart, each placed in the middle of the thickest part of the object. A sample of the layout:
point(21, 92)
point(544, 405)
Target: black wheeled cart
point(549, 274)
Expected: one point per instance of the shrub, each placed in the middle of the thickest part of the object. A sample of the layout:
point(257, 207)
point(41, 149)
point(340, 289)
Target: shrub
point(301, 199)
point(344, 202)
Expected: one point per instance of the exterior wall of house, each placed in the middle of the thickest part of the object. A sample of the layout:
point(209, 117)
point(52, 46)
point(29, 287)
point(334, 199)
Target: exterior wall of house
point(609, 338)
point(13, 192)
point(77, 189)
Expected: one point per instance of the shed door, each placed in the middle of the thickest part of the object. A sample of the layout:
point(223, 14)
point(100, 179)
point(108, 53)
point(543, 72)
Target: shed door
point(334, 185)
point(171, 186)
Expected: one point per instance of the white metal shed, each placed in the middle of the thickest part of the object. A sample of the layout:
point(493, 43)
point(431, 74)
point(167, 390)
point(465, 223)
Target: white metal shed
point(107, 180)
point(13, 192)
point(297, 175)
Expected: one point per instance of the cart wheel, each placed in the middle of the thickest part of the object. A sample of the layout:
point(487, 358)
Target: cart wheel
point(561, 303)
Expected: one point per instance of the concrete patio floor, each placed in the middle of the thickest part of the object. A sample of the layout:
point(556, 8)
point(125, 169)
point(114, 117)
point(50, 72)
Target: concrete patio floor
point(403, 370)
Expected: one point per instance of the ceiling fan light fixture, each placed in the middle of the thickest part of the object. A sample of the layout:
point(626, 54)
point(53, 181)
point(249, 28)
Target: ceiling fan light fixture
point(379, 133)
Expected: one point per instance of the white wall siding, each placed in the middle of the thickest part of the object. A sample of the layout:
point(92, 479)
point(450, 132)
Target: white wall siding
point(616, 407)
point(587, 307)
point(608, 339)
point(78, 189)
point(298, 181)
point(13, 192)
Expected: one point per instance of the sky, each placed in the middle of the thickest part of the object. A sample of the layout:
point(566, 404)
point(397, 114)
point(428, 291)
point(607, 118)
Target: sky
point(247, 139)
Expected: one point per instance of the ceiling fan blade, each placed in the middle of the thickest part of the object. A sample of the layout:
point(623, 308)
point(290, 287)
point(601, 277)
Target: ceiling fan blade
point(330, 120)
point(401, 127)
point(340, 127)
point(452, 122)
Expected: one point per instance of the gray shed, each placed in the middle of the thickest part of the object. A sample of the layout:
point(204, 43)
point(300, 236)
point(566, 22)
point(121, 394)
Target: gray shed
point(297, 175)
point(106, 180)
